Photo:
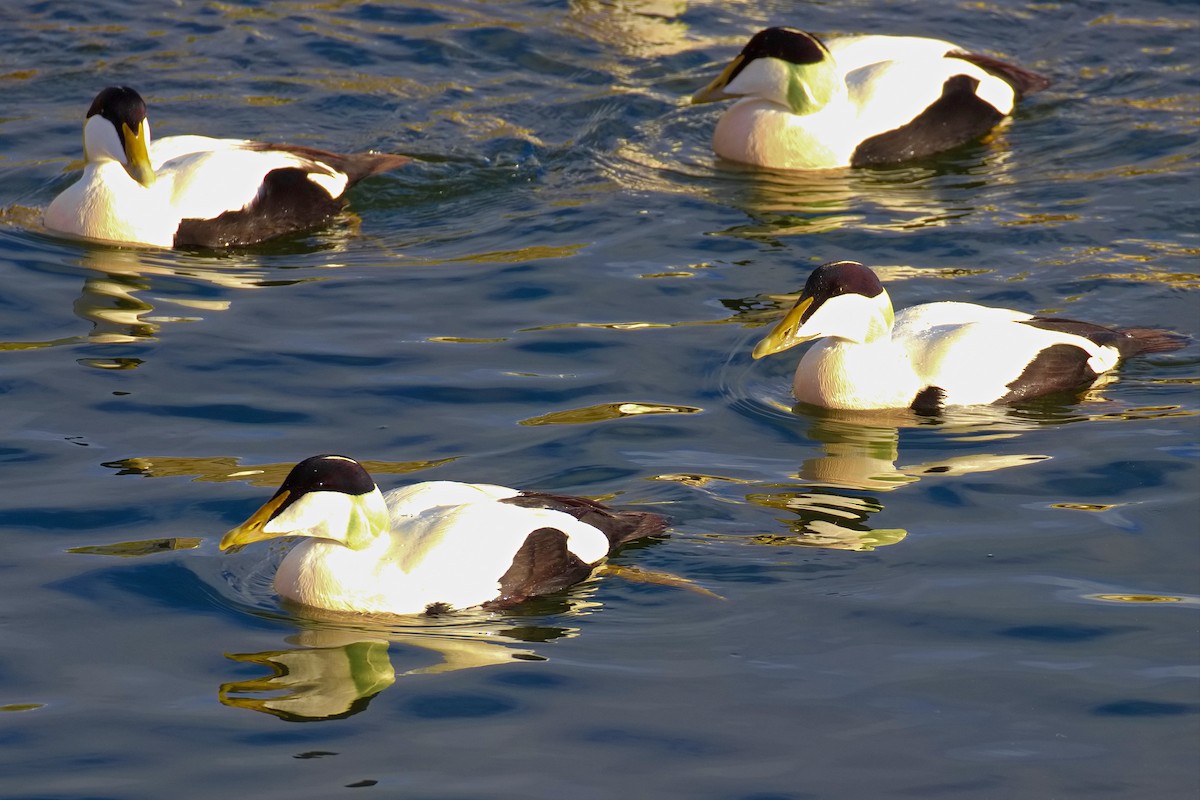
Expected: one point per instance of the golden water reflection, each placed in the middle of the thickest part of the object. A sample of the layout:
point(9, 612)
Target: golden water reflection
point(312, 682)
point(1137, 598)
point(336, 663)
point(136, 549)
point(865, 455)
point(335, 666)
point(222, 468)
point(640, 28)
point(782, 204)
point(606, 411)
point(825, 519)
point(117, 281)
point(823, 499)
point(115, 297)
point(334, 672)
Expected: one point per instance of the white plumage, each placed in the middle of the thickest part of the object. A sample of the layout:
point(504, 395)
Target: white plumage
point(858, 100)
point(437, 545)
point(928, 356)
point(195, 190)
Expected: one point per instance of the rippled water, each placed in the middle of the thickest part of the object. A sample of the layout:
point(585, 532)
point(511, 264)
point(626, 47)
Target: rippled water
point(561, 293)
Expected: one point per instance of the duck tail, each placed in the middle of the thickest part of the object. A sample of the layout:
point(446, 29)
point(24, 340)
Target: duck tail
point(630, 525)
point(361, 165)
point(1126, 341)
point(1150, 340)
point(355, 166)
point(1024, 81)
point(619, 527)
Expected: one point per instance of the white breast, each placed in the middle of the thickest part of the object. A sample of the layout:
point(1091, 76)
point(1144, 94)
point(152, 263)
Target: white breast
point(757, 131)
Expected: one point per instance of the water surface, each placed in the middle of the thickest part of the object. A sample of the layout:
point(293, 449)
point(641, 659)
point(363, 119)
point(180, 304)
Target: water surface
point(562, 293)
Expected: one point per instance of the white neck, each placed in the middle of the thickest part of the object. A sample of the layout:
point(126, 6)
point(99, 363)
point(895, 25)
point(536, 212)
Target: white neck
point(101, 142)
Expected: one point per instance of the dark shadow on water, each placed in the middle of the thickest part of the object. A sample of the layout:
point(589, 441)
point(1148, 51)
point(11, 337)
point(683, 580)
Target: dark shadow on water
point(1144, 708)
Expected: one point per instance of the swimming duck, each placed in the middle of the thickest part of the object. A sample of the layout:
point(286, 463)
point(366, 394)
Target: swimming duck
point(431, 547)
point(194, 191)
point(938, 354)
point(804, 103)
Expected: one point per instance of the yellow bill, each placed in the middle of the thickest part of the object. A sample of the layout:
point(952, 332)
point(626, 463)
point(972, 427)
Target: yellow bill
point(137, 153)
point(251, 530)
point(716, 89)
point(787, 333)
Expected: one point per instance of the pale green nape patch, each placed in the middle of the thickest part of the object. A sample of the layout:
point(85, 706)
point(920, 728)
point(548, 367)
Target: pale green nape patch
point(880, 323)
point(811, 86)
point(368, 520)
point(889, 315)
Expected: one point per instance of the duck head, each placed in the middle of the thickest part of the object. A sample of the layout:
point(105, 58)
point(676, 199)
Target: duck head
point(117, 130)
point(782, 65)
point(842, 299)
point(324, 497)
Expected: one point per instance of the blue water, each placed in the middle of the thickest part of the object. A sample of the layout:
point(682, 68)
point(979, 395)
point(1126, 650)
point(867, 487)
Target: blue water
point(561, 293)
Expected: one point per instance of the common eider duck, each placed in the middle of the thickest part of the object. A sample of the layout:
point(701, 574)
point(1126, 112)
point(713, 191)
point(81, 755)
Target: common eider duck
point(930, 356)
point(431, 547)
point(804, 103)
point(195, 191)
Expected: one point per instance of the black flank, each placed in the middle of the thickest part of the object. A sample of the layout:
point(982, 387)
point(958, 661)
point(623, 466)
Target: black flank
point(543, 565)
point(956, 117)
point(1024, 82)
point(1058, 368)
point(929, 401)
point(618, 526)
point(287, 202)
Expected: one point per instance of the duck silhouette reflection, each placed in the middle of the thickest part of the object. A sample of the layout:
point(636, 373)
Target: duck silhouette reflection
point(334, 672)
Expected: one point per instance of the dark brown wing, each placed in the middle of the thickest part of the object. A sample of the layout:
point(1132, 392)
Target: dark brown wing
point(618, 526)
point(543, 565)
point(1058, 368)
point(958, 116)
point(287, 202)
